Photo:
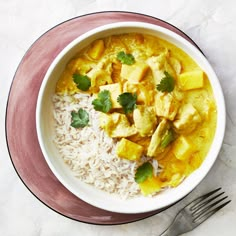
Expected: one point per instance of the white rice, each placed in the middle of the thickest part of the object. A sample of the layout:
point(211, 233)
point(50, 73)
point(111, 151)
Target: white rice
point(89, 152)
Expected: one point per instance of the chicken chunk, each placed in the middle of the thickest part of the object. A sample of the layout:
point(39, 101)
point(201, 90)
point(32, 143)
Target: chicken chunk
point(145, 120)
point(176, 65)
point(166, 105)
point(98, 78)
point(158, 65)
point(144, 95)
point(66, 85)
point(154, 147)
point(134, 73)
point(187, 118)
point(116, 125)
point(81, 65)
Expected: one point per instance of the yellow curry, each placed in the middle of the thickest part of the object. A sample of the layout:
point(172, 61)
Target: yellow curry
point(154, 101)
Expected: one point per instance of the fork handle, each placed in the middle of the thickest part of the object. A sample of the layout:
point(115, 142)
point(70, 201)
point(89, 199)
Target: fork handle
point(171, 231)
point(168, 232)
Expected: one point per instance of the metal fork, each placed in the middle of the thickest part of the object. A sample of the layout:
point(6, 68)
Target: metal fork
point(196, 212)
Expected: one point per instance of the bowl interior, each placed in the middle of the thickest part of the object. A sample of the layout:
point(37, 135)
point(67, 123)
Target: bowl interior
point(45, 124)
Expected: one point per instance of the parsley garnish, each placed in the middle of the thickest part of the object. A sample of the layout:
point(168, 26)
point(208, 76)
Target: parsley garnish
point(168, 138)
point(80, 119)
point(103, 102)
point(124, 58)
point(143, 172)
point(82, 81)
point(167, 83)
point(127, 101)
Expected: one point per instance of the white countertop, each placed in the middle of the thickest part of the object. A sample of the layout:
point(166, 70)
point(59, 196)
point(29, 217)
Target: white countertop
point(210, 23)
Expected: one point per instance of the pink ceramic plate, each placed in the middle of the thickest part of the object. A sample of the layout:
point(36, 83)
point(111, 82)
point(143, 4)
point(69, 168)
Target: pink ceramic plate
point(21, 135)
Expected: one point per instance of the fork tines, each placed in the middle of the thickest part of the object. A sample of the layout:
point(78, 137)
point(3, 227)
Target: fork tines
point(207, 205)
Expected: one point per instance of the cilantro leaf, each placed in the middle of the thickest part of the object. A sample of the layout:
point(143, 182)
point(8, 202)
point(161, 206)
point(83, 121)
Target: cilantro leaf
point(80, 119)
point(143, 172)
point(168, 138)
point(167, 83)
point(103, 102)
point(82, 81)
point(127, 101)
point(124, 58)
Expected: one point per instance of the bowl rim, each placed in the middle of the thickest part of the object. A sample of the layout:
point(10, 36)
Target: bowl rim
point(220, 102)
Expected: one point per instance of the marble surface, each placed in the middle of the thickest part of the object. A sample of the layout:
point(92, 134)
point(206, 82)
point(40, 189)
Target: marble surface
point(210, 23)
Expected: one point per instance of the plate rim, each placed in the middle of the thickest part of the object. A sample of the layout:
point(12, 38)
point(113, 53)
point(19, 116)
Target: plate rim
point(8, 101)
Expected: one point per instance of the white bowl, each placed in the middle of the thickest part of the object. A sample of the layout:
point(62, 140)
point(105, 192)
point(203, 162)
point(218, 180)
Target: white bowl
point(45, 130)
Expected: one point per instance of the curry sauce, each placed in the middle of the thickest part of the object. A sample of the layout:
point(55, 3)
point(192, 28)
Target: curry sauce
point(170, 113)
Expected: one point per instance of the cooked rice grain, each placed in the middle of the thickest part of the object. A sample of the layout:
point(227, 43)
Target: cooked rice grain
point(89, 152)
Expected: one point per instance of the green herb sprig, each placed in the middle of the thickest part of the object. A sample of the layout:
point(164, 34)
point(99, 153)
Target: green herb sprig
point(168, 138)
point(83, 82)
point(124, 58)
point(143, 172)
point(167, 83)
point(103, 102)
point(80, 119)
point(127, 101)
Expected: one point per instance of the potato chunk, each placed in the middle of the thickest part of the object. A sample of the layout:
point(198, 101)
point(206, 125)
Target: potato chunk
point(134, 73)
point(150, 186)
point(97, 49)
point(129, 150)
point(191, 80)
point(187, 118)
point(166, 105)
point(116, 125)
point(115, 91)
point(145, 120)
point(182, 148)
